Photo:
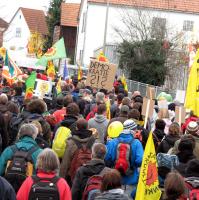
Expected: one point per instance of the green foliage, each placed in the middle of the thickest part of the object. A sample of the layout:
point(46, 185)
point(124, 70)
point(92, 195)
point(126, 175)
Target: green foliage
point(144, 60)
point(52, 19)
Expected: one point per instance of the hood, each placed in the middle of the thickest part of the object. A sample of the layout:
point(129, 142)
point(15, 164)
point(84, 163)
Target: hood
point(95, 166)
point(125, 136)
point(100, 118)
point(171, 139)
point(69, 120)
point(82, 134)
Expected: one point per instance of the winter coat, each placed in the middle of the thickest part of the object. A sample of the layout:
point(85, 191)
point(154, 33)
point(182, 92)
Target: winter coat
point(69, 122)
point(136, 155)
point(99, 122)
point(94, 167)
point(158, 135)
point(6, 190)
point(25, 143)
point(167, 143)
point(121, 118)
point(62, 186)
point(81, 136)
point(114, 194)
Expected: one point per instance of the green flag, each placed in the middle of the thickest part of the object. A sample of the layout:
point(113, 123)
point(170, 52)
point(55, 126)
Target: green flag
point(56, 51)
point(30, 84)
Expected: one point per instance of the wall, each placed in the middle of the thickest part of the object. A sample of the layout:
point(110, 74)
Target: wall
point(9, 38)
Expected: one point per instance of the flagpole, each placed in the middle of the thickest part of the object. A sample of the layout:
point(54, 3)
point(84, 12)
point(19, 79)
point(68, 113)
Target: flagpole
point(106, 26)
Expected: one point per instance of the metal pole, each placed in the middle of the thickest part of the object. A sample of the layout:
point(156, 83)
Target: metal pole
point(106, 26)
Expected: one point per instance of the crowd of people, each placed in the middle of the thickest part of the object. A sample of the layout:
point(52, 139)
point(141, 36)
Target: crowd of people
point(72, 148)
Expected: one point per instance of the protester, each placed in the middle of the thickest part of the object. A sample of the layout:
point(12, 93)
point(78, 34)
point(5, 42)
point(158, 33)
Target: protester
point(40, 186)
point(164, 115)
point(94, 167)
point(114, 158)
point(112, 187)
point(99, 122)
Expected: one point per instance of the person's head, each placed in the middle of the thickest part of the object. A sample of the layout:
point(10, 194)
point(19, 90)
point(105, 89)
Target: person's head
point(3, 99)
point(18, 91)
point(174, 186)
point(134, 114)
point(192, 128)
point(129, 124)
point(192, 168)
point(86, 92)
point(28, 130)
point(174, 129)
point(12, 107)
point(82, 124)
point(100, 98)
point(67, 100)
point(124, 110)
point(47, 161)
point(126, 101)
point(37, 106)
point(160, 124)
point(111, 180)
point(101, 109)
point(136, 93)
point(120, 96)
point(38, 125)
point(163, 114)
point(137, 106)
point(72, 109)
point(187, 144)
point(137, 99)
point(59, 101)
point(98, 151)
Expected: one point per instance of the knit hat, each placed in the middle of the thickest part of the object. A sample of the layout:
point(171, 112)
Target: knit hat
point(114, 129)
point(130, 125)
point(192, 128)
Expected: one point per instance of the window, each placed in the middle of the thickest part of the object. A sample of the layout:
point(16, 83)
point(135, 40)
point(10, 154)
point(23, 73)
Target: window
point(158, 27)
point(84, 23)
point(188, 25)
point(18, 32)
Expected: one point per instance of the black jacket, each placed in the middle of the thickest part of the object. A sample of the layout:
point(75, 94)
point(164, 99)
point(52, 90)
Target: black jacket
point(6, 190)
point(158, 135)
point(94, 167)
point(69, 122)
point(167, 143)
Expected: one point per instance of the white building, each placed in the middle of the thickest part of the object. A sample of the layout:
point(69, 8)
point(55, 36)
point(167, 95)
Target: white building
point(24, 22)
point(177, 16)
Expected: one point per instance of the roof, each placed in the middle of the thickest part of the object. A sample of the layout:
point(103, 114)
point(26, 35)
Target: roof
point(70, 14)
point(35, 20)
point(3, 24)
point(190, 6)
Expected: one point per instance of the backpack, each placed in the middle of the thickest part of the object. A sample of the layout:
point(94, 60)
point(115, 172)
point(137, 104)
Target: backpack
point(167, 160)
point(59, 142)
point(192, 184)
point(20, 166)
point(81, 156)
point(123, 158)
point(44, 189)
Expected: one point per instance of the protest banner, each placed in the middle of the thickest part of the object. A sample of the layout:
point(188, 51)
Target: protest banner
point(101, 75)
point(180, 96)
point(147, 109)
point(180, 114)
point(150, 92)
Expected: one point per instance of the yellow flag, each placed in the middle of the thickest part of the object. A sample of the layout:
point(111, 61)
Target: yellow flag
point(148, 185)
point(80, 73)
point(192, 94)
point(102, 57)
point(58, 87)
point(108, 109)
point(51, 70)
point(123, 79)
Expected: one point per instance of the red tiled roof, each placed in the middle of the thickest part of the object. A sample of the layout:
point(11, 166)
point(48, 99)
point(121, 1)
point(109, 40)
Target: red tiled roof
point(69, 14)
point(190, 6)
point(3, 24)
point(35, 20)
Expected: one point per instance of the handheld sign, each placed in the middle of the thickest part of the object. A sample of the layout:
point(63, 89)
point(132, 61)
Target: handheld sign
point(147, 109)
point(101, 75)
point(163, 104)
point(150, 92)
point(180, 114)
point(180, 96)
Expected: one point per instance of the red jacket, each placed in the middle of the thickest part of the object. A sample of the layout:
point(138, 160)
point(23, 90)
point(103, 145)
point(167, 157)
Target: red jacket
point(63, 188)
point(59, 115)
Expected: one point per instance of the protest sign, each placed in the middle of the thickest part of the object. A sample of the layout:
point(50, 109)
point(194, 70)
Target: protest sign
point(163, 104)
point(150, 92)
point(180, 114)
point(180, 96)
point(147, 109)
point(101, 75)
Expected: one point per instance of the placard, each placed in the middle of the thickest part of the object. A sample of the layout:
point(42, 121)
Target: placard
point(101, 75)
point(180, 96)
point(180, 114)
point(150, 92)
point(163, 104)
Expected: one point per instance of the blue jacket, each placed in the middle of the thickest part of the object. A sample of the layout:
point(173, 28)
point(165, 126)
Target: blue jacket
point(136, 159)
point(26, 143)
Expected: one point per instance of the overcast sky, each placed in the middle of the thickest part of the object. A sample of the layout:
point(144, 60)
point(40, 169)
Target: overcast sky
point(9, 7)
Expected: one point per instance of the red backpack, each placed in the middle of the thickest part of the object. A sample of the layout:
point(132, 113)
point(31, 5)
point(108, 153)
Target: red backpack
point(81, 156)
point(123, 158)
point(192, 184)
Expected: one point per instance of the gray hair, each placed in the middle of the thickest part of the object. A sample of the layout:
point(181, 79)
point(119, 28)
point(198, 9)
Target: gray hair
point(98, 151)
point(28, 130)
point(48, 161)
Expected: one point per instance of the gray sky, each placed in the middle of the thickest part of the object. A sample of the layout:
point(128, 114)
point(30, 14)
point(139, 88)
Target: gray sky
point(9, 7)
